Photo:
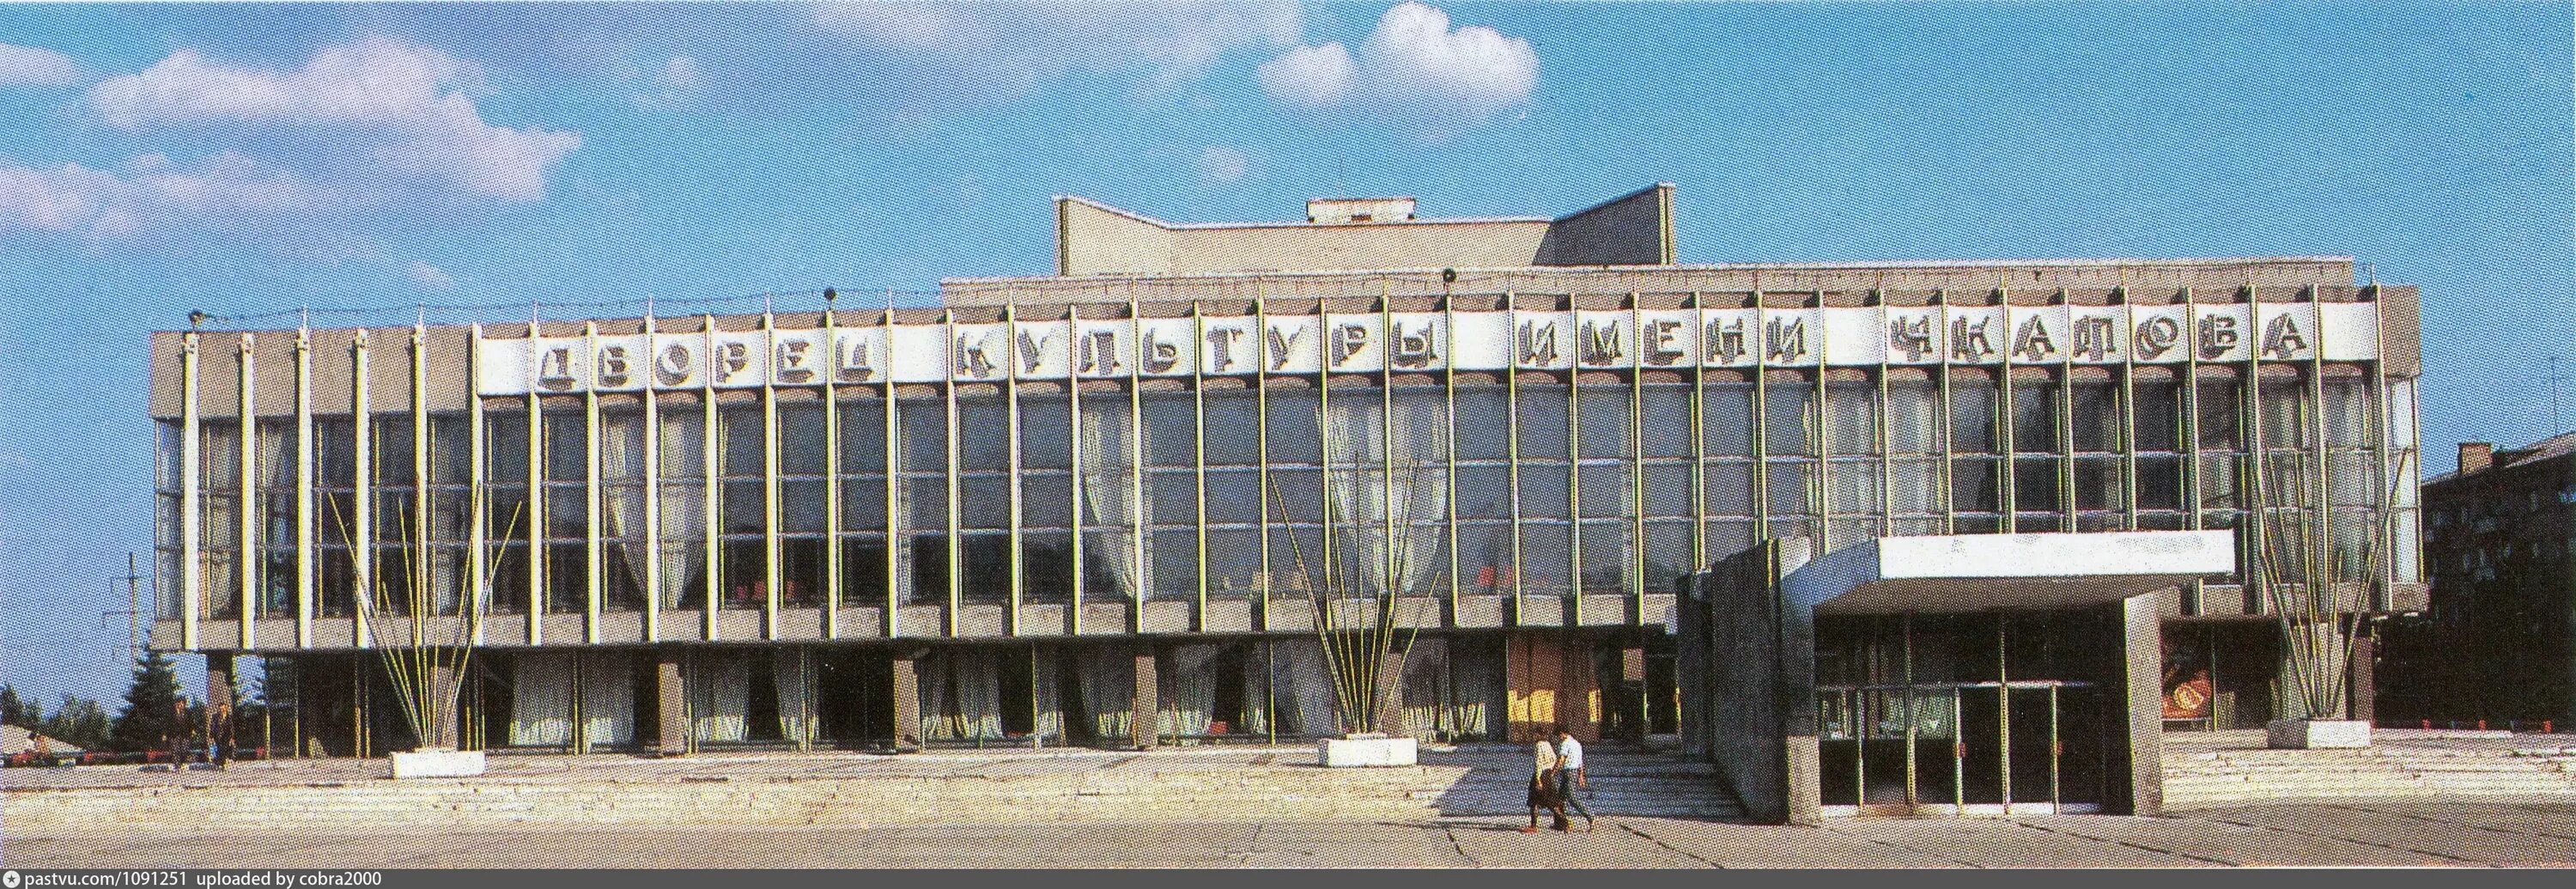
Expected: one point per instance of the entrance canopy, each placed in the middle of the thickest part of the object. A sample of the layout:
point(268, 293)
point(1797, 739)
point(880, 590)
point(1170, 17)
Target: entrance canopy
point(1981, 572)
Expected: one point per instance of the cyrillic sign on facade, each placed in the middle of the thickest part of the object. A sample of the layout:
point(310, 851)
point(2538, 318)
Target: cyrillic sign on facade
point(1427, 341)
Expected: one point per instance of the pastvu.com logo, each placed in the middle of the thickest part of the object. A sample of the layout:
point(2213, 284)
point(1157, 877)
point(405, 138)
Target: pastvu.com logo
point(9, 880)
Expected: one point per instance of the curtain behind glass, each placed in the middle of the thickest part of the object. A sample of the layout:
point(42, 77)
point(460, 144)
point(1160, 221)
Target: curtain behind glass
point(719, 689)
point(607, 698)
point(541, 699)
point(621, 471)
point(1108, 687)
point(1111, 511)
point(1188, 689)
point(1303, 689)
point(684, 517)
point(793, 669)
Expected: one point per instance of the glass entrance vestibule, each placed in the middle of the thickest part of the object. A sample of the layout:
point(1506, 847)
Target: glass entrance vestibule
point(1990, 713)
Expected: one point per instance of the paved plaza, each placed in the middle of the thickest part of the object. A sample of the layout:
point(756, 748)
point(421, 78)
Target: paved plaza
point(2395, 834)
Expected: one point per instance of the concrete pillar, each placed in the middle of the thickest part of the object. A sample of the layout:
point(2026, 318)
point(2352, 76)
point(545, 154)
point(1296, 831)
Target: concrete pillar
point(670, 705)
point(2141, 673)
point(1390, 694)
point(2361, 695)
point(907, 702)
point(1145, 720)
point(219, 706)
point(1632, 695)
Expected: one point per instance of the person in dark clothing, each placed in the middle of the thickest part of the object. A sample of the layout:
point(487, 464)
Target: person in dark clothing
point(1542, 788)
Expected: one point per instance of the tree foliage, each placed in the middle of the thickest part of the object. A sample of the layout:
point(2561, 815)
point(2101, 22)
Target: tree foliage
point(153, 710)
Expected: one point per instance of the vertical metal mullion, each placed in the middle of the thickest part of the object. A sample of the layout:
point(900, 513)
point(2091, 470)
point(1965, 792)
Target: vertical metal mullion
point(418, 540)
point(2384, 534)
point(362, 545)
point(590, 492)
point(1449, 399)
point(477, 503)
point(832, 518)
point(1636, 580)
point(1761, 423)
point(1574, 474)
point(245, 528)
point(1699, 553)
point(1136, 520)
point(2066, 506)
point(771, 574)
point(1885, 418)
point(1945, 422)
point(652, 481)
point(948, 406)
point(1014, 493)
point(2324, 540)
point(304, 553)
point(897, 555)
point(535, 530)
point(1073, 397)
point(1198, 448)
point(710, 432)
point(2007, 391)
point(1386, 448)
point(1512, 443)
point(1261, 449)
point(1822, 489)
point(2127, 393)
point(191, 498)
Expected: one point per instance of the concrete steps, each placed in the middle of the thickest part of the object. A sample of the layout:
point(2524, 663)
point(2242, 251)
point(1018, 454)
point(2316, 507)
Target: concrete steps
point(1294, 792)
point(2209, 778)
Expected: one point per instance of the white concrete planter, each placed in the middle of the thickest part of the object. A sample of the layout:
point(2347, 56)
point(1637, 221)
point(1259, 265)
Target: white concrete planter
point(2316, 734)
point(429, 763)
point(1367, 751)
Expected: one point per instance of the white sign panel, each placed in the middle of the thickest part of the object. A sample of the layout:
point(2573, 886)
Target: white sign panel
point(1370, 342)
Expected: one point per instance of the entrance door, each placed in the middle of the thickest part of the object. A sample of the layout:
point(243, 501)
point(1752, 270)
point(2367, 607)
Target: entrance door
point(1923, 719)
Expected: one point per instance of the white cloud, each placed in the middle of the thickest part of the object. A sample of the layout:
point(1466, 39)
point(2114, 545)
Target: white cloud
point(405, 101)
point(1221, 164)
point(681, 74)
point(1015, 45)
point(431, 276)
point(1309, 76)
point(1413, 64)
point(34, 66)
point(147, 192)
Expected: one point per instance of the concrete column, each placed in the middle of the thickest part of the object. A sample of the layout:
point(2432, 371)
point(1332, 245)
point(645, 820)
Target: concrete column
point(1632, 695)
point(670, 705)
point(1390, 694)
point(1144, 723)
point(907, 702)
point(2141, 672)
point(219, 705)
point(2361, 695)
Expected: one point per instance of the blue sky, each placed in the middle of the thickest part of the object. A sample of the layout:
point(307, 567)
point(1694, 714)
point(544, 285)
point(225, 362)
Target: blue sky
point(244, 159)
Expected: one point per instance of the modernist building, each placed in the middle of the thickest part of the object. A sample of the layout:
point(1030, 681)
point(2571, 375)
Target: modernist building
point(2502, 640)
point(1092, 507)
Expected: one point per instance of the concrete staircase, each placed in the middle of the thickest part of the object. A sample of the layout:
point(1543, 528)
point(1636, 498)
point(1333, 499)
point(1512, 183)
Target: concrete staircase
point(1146, 787)
point(2199, 777)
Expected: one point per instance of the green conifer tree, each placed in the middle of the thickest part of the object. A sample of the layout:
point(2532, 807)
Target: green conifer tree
point(152, 714)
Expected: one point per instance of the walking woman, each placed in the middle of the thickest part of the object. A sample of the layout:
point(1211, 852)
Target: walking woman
point(1542, 788)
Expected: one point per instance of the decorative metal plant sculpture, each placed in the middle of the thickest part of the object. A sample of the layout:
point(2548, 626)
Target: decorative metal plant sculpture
point(1354, 588)
point(2319, 595)
point(427, 668)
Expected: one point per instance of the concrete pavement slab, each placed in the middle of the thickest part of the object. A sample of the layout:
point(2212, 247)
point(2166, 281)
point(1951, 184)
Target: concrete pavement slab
point(1720, 844)
point(1995, 842)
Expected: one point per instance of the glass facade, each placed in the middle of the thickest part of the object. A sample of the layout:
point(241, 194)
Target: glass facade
point(1527, 484)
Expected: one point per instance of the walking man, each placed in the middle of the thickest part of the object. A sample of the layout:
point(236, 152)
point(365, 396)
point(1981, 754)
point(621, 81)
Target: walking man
point(1569, 774)
point(1542, 787)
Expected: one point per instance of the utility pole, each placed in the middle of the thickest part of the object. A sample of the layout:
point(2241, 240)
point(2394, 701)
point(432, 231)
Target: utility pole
point(133, 609)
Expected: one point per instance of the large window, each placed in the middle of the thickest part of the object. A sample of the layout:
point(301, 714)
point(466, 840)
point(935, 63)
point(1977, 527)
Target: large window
point(2038, 461)
point(335, 509)
point(2099, 426)
point(1852, 495)
point(803, 504)
point(682, 451)
point(1976, 448)
point(742, 508)
point(1727, 426)
point(1295, 502)
point(1789, 433)
point(1235, 503)
point(219, 509)
point(273, 466)
point(2157, 434)
point(921, 495)
point(566, 452)
point(622, 550)
point(984, 499)
point(1915, 492)
point(1484, 490)
point(1540, 418)
point(1046, 498)
point(1606, 494)
point(167, 467)
point(1664, 449)
point(864, 567)
point(451, 506)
